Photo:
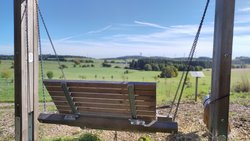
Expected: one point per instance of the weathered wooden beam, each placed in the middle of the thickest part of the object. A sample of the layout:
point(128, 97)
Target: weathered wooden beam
point(222, 56)
point(108, 123)
point(26, 69)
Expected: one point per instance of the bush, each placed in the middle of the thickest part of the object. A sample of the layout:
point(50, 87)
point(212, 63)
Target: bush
point(63, 66)
point(147, 67)
point(242, 86)
point(50, 74)
point(144, 139)
point(169, 72)
point(77, 61)
point(89, 137)
point(117, 67)
point(106, 65)
point(126, 72)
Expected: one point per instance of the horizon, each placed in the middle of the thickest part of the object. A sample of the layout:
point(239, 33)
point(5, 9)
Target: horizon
point(111, 29)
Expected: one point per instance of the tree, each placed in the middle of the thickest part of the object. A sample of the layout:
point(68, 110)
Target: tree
point(106, 65)
point(63, 66)
point(77, 62)
point(147, 67)
point(169, 72)
point(50, 74)
point(155, 67)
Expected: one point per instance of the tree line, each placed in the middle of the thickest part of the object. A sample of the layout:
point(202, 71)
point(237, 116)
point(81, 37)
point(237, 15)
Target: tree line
point(152, 64)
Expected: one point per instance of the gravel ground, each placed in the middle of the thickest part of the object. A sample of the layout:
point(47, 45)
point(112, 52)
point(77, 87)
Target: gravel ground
point(191, 126)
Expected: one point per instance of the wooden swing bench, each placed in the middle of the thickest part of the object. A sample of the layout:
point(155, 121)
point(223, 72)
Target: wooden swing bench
point(120, 106)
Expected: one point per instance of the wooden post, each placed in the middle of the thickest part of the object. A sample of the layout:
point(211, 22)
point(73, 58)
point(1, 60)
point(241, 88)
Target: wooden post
point(196, 88)
point(26, 70)
point(221, 73)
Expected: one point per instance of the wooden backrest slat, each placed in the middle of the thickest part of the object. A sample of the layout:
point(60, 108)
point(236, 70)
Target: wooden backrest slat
point(103, 97)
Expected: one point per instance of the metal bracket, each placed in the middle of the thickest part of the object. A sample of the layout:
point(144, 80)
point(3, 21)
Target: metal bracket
point(137, 122)
point(71, 117)
point(69, 98)
point(132, 100)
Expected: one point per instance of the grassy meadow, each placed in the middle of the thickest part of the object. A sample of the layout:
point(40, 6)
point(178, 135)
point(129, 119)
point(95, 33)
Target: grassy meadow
point(166, 87)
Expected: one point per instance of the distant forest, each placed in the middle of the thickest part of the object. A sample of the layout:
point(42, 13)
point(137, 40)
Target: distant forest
point(151, 63)
point(158, 64)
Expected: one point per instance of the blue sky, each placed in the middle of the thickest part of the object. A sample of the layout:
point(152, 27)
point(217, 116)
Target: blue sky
point(111, 28)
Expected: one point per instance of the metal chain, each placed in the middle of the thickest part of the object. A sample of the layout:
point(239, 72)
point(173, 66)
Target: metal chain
point(189, 61)
point(27, 45)
point(51, 42)
point(41, 59)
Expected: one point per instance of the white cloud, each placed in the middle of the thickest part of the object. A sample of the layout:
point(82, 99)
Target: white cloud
point(82, 34)
point(150, 24)
point(174, 41)
point(247, 9)
point(100, 30)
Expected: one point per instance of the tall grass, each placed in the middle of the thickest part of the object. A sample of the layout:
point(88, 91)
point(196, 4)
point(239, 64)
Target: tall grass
point(242, 86)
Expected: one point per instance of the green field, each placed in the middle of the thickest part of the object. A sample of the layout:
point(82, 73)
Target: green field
point(166, 87)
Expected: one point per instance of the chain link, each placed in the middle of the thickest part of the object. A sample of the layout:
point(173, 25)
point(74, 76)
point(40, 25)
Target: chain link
point(41, 59)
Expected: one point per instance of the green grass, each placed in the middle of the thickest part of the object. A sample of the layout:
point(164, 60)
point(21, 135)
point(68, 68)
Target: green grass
point(165, 87)
point(83, 137)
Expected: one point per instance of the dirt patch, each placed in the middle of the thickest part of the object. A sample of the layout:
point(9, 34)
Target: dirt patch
point(191, 126)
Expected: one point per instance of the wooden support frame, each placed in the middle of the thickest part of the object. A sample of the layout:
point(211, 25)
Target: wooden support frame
point(221, 73)
point(26, 70)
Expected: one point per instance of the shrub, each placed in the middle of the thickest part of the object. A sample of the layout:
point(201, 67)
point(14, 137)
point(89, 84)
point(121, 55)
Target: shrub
point(63, 66)
point(169, 72)
point(77, 61)
point(147, 67)
point(242, 86)
point(117, 67)
point(89, 137)
point(50, 74)
point(106, 65)
point(126, 72)
point(144, 139)
point(92, 65)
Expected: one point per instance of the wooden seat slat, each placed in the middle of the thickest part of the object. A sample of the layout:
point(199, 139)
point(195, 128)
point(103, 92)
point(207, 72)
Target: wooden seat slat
point(112, 101)
point(60, 102)
point(100, 95)
point(59, 98)
point(56, 93)
point(94, 100)
point(145, 87)
point(102, 110)
point(117, 106)
point(54, 89)
point(98, 85)
point(141, 92)
point(99, 90)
